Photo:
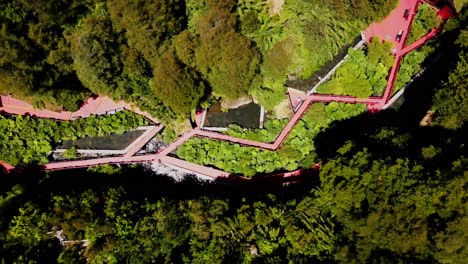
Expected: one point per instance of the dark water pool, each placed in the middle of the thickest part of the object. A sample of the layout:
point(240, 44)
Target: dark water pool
point(111, 142)
point(246, 116)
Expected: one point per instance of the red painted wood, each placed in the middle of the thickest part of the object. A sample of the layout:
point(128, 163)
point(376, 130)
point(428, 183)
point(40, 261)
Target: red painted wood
point(387, 29)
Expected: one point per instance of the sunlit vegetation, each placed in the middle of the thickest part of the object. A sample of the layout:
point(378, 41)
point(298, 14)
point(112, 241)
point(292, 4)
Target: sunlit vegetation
point(269, 132)
point(169, 56)
point(26, 140)
point(363, 73)
point(71, 153)
point(303, 37)
point(411, 64)
point(424, 21)
point(297, 151)
point(451, 100)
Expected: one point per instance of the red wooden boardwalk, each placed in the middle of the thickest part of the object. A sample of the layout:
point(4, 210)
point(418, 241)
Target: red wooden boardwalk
point(174, 145)
point(6, 166)
point(143, 141)
point(194, 168)
point(386, 30)
point(418, 43)
point(93, 106)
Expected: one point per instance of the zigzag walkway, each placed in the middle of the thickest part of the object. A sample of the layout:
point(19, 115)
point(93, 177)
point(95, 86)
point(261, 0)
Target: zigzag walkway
point(381, 30)
point(418, 43)
point(397, 62)
point(142, 142)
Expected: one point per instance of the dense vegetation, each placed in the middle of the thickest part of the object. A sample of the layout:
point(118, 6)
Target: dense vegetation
point(365, 206)
point(388, 191)
point(168, 56)
point(363, 73)
point(269, 132)
point(424, 21)
point(298, 149)
point(451, 101)
point(411, 64)
point(26, 140)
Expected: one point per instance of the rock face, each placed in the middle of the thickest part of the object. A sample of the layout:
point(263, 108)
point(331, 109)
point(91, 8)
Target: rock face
point(274, 6)
point(229, 104)
point(283, 110)
point(427, 119)
point(253, 250)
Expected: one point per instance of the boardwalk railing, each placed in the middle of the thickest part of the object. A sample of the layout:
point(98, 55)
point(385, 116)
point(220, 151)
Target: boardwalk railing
point(329, 74)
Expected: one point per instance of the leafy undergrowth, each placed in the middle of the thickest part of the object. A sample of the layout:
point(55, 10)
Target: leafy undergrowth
point(303, 37)
point(425, 21)
point(297, 151)
point(268, 133)
point(364, 72)
point(25, 140)
point(411, 65)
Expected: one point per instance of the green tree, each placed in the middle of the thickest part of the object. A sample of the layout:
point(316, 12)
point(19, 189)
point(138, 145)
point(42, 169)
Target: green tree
point(94, 49)
point(177, 85)
point(450, 242)
point(451, 101)
point(29, 226)
point(71, 153)
point(226, 59)
point(147, 24)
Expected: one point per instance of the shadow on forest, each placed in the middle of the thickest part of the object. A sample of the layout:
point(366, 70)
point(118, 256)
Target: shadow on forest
point(140, 183)
point(417, 101)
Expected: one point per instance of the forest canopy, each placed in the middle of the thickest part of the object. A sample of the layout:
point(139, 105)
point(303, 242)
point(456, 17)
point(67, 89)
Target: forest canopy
point(169, 56)
point(361, 204)
point(388, 190)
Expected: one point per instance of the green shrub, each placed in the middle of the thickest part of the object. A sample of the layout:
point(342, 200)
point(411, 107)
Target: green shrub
point(25, 140)
point(425, 20)
point(298, 150)
point(363, 73)
point(272, 128)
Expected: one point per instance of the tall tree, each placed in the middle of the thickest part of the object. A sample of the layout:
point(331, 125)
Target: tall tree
point(176, 85)
point(226, 59)
point(95, 53)
point(451, 101)
point(147, 24)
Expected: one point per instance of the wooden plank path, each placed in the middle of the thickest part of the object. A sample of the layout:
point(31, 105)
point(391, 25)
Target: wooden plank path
point(6, 166)
point(192, 167)
point(418, 43)
point(174, 145)
point(386, 30)
point(92, 106)
point(143, 141)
